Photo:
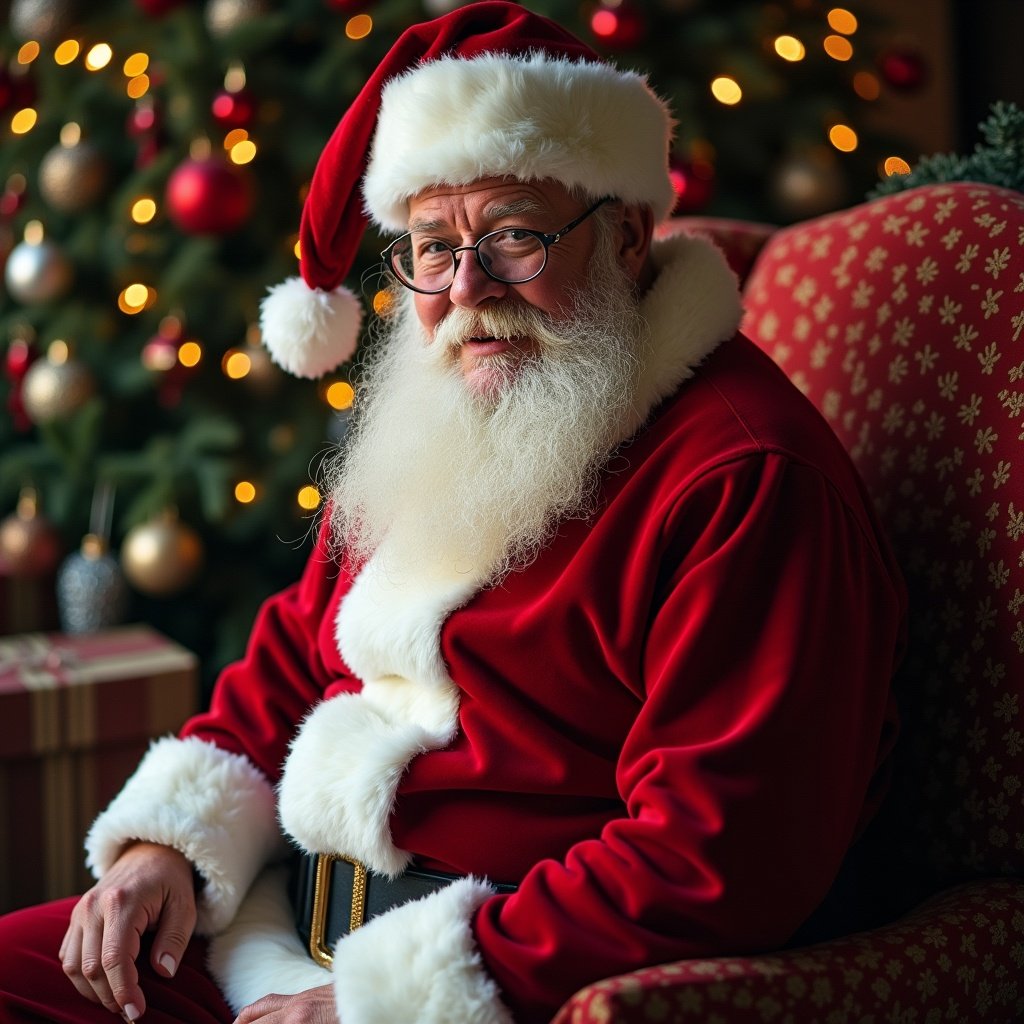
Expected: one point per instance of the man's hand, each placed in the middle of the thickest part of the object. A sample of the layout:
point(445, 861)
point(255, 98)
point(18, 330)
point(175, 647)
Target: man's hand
point(149, 886)
point(314, 1006)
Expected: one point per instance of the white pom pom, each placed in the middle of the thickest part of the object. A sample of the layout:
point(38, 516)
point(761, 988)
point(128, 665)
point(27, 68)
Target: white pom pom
point(309, 332)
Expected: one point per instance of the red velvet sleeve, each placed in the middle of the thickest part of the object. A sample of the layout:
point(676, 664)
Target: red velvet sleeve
point(259, 702)
point(745, 776)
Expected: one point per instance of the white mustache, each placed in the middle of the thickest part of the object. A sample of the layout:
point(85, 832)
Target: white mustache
point(510, 320)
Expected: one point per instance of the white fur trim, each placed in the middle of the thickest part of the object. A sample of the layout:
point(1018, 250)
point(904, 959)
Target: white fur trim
point(418, 964)
point(216, 807)
point(309, 332)
point(693, 306)
point(533, 117)
point(261, 951)
point(339, 781)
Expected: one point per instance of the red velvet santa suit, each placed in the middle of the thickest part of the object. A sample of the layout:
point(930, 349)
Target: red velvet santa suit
point(665, 729)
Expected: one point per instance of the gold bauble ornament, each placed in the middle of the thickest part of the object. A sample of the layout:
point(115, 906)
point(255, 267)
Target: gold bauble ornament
point(225, 16)
point(43, 20)
point(29, 544)
point(72, 178)
point(162, 556)
point(56, 387)
point(809, 183)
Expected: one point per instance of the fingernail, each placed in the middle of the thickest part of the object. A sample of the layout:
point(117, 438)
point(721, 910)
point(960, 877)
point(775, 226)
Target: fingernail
point(131, 1012)
point(168, 963)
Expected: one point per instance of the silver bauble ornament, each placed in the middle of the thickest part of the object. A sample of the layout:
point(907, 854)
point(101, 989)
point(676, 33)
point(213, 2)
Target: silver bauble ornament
point(808, 184)
point(54, 391)
point(43, 20)
point(224, 16)
point(37, 272)
point(92, 593)
point(72, 178)
point(162, 556)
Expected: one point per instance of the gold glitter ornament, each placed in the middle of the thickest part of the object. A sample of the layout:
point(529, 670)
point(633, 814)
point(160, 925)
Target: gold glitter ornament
point(46, 21)
point(72, 178)
point(56, 387)
point(29, 544)
point(225, 16)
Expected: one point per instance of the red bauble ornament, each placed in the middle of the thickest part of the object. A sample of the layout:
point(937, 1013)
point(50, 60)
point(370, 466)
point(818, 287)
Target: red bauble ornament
point(16, 410)
point(158, 8)
point(694, 182)
point(143, 120)
point(20, 356)
point(345, 6)
point(619, 28)
point(903, 69)
point(234, 109)
point(208, 197)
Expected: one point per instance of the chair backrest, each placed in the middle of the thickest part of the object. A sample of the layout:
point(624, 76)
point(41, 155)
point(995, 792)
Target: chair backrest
point(903, 320)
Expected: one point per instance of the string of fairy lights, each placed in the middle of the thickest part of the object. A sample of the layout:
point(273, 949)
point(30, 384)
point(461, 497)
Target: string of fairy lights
point(171, 347)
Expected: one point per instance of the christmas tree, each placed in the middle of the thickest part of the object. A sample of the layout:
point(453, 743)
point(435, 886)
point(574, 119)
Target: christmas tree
point(153, 168)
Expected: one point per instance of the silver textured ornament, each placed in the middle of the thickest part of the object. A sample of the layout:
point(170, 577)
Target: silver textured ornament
point(92, 593)
point(55, 390)
point(224, 16)
point(37, 272)
point(72, 178)
point(43, 20)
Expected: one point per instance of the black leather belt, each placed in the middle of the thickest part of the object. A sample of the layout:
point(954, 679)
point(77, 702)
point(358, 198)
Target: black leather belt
point(333, 896)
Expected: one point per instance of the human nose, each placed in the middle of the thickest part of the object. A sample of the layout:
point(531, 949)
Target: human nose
point(470, 284)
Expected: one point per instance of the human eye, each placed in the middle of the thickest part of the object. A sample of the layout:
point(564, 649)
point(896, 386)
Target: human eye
point(513, 241)
point(430, 252)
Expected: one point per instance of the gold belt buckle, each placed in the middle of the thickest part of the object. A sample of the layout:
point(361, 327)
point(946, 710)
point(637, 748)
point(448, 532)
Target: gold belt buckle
point(321, 899)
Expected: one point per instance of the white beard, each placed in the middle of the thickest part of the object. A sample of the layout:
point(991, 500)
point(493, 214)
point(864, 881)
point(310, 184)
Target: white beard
point(478, 484)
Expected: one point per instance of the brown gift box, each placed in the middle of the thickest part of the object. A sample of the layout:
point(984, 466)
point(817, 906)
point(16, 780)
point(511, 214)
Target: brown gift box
point(76, 715)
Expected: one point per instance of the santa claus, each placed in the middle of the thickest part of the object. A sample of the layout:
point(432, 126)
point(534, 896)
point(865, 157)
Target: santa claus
point(589, 668)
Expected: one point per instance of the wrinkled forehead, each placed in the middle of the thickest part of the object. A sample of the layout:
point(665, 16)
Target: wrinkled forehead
point(489, 200)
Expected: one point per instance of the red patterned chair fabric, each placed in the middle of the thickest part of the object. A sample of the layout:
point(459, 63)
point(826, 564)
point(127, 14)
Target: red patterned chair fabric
point(903, 321)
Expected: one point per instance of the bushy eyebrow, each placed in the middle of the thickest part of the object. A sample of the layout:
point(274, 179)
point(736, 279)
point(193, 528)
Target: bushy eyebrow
point(496, 211)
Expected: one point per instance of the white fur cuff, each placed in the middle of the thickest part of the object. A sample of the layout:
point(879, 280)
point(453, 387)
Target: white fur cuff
point(418, 964)
point(216, 807)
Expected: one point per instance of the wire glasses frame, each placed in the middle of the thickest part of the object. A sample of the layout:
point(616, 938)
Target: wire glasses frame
point(509, 255)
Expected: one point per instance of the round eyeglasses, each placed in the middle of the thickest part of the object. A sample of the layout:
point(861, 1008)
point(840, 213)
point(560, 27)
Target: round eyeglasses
point(509, 255)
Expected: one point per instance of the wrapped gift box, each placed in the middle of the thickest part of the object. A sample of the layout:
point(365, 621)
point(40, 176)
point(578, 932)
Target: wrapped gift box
point(76, 715)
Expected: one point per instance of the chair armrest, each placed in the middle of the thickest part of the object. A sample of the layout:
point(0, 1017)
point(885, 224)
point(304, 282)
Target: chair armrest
point(957, 957)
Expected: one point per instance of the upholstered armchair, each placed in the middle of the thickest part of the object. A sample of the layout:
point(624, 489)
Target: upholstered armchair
point(903, 321)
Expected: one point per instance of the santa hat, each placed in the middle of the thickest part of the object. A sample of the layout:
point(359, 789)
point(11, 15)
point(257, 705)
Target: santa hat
point(488, 90)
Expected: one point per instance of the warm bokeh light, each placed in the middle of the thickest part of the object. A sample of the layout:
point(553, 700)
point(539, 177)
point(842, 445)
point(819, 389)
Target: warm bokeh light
point(236, 364)
point(726, 90)
point(842, 20)
point(34, 232)
point(340, 395)
point(99, 57)
point(838, 47)
point(308, 498)
point(24, 121)
point(245, 492)
point(866, 85)
point(234, 137)
point(297, 249)
point(143, 210)
point(383, 302)
point(67, 51)
point(359, 27)
point(895, 165)
point(135, 298)
point(243, 152)
point(57, 352)
point(190, 353)
point(234, 79)
point(136, 64)
point(138, 87)
point(71, 134)
point(28, 52)
point(790, 48)
point(843, 137)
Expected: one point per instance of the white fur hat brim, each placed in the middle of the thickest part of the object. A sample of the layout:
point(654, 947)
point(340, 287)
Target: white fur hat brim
point(532, 117)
